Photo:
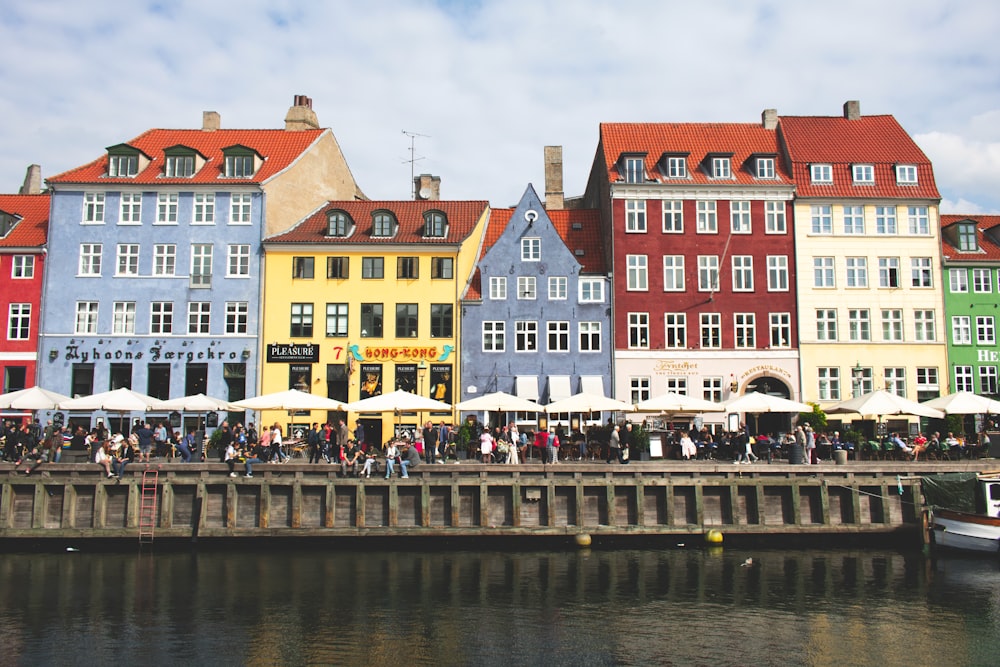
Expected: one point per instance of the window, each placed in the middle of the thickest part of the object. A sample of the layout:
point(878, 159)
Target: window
point(383, 224)
point(124, 317)
point(301, 320)
point(774, 217)
point(739, 214)
point(558, 336)
point(526, 287)
point(90, 259)
point(131, 209)
point(239, 209)
point(859, 324)
point(435, 224)
point(525, 336)
point(826, 324)
point(906, 174)
point(677, 385)
point(708, 273)
point(765, 167)
point(637, 273)
point(238, 260)
point(22, 267)
point(854, 220)
point(821, 173)
point(857, 271)
point(639, 389)
point(166, 208)
point(673, 217)
point(919, 221)
point(237, 315)
point(892, 324)
point(673, 273)
point(164, 259)
point(927, 379)
point(406, 320)
point(711, 330)
point(337, 224)
point(721, 167)
point(199, 317)
point(338, 268)
point(885, 219)
point(711, 389)
point(920, 272)
point(746, 330)
point(635, 215)
point(442, 318)
point(708, 222)
point(336, 320)
point(204, 208)
point(823, 275)
point(677, 167)
point(982, 282)
point(961, 330)
point(493, 336)
point(777, 273)
point(781, 330)
point(822, 219)
point(161, 317)
point(590, 336)
point(442, 268)
point(93, 208)
point(303, 267)
point(86, 317)
point(591, 290)
point(128, 259)
point(963, 378)
point(923, 323)
point(675, 329)
point(201, 265)
point(372, 268)
point(179, 166)
point(958, 280)
point(742, 273)
point(829, 383)
point(498, 287)
point(985, 333)
point(558, 288)
point(967, 241)
point(407, 268)
point(371, 320)
point(238, 165)
point(864, 174)
point(895, 381)
point(988, 379)
point(531, 249)
point(18, 321)
point(888, 272)
point(638, 331)
point(123, 166)
point(635, 170)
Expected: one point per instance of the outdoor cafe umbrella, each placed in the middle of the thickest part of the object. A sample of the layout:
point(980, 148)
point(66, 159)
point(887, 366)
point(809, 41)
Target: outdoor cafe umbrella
point(584, 402)
point(962, 403)
point(398, 401)
point(880, 403)
point(290, 400)
point(120, 400)
point(756, 403)
point(32, 398)
point(499, 401)
point(671, 403)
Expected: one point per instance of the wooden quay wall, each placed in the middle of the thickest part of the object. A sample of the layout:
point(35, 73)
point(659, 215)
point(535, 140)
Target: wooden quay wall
point(75, 501)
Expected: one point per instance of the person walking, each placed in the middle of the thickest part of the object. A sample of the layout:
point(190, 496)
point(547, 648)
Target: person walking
point(615, 446)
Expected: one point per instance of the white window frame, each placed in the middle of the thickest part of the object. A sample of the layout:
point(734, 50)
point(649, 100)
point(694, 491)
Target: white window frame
point(22, 267)
point(708, 273)
point(673, 273)
point(924, 327)
point(708, 217)
point(892, 324)
point(958, 281)
point(722, 167)
point(859, 324)
point(673, 216)
point(826, 324)
point(240, 208)
point(238, 260)
point(765, 167)
point(558, 288)
point(739, 217)
point(857, 272)
point(918, 220)
point(531, 249)
point(19, 321)
point(828, 383)
point(166, 208)
point(711, 331)
point(557, 336)
point(635, 216)
point(591, 290)
point(86, 317)
point(888, 273)
point(985, 330)
point(821, 174)
point(127, 259)
point(123, 318)
point(526, 336)
point(895, 380)
point(777, 273)
point(637, 273)
point(164, 259)
point(742, 269)
point(906, 174)
point(822, 219)
point(639, 388)
point(130, 208)
point(90, 259)
point(161, 318)
point(201, 265)
point(781, 330)
point(774, 218)
point(200, 318)
point(982, 281)
point(589, 336)
point(863, 174)
point(635, 170)
point(237, 317)
point(885, 220)
point(854, 220)
point(93, 208)
point(745, 330)
point(204, 208)
point(494, 336)
point(921, 274)
point(961, 330)
point(498, 288)
point(824, 273)
point(675, 331)
point(638, 331)
point(527, 288)
point(677, 166)
point(964, 379)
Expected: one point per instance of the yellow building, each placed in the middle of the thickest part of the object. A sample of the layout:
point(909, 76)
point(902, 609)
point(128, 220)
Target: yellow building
point(360, 298)
point(867, 245)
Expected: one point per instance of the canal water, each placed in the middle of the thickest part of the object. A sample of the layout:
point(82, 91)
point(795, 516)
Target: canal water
point(649, 606)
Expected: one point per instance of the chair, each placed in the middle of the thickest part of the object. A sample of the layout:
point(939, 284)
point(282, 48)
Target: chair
point(874, 450)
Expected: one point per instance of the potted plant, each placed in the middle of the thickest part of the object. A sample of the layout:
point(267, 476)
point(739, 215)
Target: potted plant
point(639, 442)
point(464, 438)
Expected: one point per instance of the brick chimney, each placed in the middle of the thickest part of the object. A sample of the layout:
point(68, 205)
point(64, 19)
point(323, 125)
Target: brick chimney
point(32, 181)
point(769, 119)
point(210, 121)
point(554, 195)
point(301, 116)
point(852, 109)
point(427, 188)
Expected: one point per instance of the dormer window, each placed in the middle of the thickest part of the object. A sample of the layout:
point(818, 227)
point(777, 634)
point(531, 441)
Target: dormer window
point(765, 167)
point(7, 222)
point(383, 224)
point(338, 224)
point(906, 174)
point(864, 174)
point(676, 166)
point(967, 241)
point(635, 169)
point(721, 167)
point(123, 165)
point(179, 163)
point(821, 173)
point(435, 224)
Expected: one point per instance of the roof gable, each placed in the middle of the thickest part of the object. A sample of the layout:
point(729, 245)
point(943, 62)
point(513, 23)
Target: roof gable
point(31, 230)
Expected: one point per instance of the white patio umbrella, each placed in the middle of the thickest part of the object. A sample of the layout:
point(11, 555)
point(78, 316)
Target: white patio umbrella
point(880, 403)
point(198, 403)
point(671, 402)
point(290, 399)
point(32, 398)
point(116, 400)
point(585, 402)
point(399, 400)
point(499, 401)
point(962, 403)
point(757, 403)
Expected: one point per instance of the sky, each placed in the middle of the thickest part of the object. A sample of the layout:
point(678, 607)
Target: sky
point(477, 88)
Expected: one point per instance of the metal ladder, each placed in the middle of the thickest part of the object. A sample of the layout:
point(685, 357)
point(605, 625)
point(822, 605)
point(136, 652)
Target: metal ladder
point(147, 505)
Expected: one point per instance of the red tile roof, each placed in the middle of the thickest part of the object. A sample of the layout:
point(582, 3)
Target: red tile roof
point(32, 230)
point(462, 218)
point(837, 141)
point(280, 148)
point(989, 244)
point(698, 140)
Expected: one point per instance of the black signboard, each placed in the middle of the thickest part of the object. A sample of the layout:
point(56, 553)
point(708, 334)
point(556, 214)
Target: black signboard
point(290, 353)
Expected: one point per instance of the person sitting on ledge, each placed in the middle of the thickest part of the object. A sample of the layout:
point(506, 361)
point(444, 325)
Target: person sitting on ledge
point(103, 458)
point(391, 454)
point(409, 461)
point(352, 456)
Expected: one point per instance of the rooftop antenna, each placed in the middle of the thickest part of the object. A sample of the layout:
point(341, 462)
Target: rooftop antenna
point(413, 159)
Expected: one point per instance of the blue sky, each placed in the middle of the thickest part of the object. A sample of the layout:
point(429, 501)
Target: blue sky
point(491, 83)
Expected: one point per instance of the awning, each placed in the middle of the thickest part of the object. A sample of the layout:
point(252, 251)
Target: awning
point(526, 386)
point(559, 388)
point(592, 384)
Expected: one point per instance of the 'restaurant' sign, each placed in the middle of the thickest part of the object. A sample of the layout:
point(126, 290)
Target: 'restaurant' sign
point(290, 353)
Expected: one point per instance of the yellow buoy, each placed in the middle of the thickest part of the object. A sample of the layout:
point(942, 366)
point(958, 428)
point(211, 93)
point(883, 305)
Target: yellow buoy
point(714, 536)
point(583, 540)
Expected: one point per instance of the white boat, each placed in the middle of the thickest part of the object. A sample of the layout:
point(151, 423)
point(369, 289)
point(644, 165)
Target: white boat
point(963, 511)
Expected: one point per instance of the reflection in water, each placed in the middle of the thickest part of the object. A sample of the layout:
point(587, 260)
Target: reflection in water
point(638, 607)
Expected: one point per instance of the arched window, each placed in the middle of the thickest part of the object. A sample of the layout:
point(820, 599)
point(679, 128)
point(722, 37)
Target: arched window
point(435, 224)
point(383, 224)
point(337, 224)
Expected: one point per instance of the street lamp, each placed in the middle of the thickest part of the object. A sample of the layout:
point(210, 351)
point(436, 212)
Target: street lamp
point(858, 374)
point(421, 372)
